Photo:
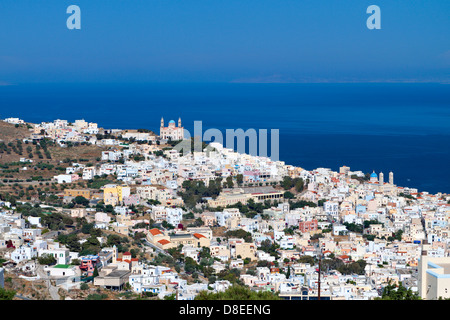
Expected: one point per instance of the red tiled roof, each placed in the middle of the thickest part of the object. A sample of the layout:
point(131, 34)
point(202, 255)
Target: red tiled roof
point(164, 241)
point(155, 231)
point(198, 235)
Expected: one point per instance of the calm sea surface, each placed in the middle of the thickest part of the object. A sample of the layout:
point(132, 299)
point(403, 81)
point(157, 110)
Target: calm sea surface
point(369, 127)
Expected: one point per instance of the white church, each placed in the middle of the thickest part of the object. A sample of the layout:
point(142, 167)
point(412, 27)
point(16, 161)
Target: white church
point(171, 132)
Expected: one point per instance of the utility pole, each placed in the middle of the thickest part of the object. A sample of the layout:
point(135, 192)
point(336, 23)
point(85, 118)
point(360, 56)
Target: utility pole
point(320, 266)
point(320, 260)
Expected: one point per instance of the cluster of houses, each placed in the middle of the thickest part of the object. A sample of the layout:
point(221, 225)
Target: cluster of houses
point(393, 229)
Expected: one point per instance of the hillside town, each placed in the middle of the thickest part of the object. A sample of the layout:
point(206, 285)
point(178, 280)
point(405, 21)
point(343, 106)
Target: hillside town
point(94, 213)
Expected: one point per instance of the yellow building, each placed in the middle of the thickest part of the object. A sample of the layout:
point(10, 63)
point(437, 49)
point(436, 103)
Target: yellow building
point(242, 195)
point(154, 235)
point(209, 219)
point(219, 250)
point(121, 228)
point(189, 239)
point(241, 249)
point(225, 199)
point(78, 192)
point(114, 194)
point(125, 220)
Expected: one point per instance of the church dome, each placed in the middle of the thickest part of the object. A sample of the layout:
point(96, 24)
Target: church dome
point(171, 121)
point(373, 175)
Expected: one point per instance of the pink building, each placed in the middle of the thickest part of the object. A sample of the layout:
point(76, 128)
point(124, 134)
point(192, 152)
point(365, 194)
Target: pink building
point(307, 226)
point(88, 264)
point(131, 200)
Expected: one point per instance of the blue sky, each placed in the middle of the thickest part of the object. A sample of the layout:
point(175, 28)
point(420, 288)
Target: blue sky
point(224, 41)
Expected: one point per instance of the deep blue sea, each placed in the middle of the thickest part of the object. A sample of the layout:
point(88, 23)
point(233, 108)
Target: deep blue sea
point(369, 127)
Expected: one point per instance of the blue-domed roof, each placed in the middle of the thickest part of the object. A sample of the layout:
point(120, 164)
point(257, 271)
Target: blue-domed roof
point(171, 121)
point(373, 175)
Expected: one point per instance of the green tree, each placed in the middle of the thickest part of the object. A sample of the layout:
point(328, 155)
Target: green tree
point(300, 204)
point(239, 233)
point(240, 179)
point(299, 184)
point(96, 296)
point(95, 273)
point(288, 273)
point(91, 243)
point(87, 227)
point(229, 182)
point(194, 191)
point(190, 265)
point(188, 216)
point(81, 200)
point(288, 195)
point(287, 183)
point(230, 275)
point(70, 241)
point(167, 225)
point(353, 227)
point(398, 235)
point(205, 253)
point(170, 297)
point(306, 259)
point(114, 240)
point(47, 259)
point(237, 292)
point(7, 294)
point(398, 292)
point(264, 263)
point(270, 247)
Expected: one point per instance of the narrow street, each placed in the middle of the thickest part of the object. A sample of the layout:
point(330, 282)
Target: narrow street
point(52, 289)
point(157, 250)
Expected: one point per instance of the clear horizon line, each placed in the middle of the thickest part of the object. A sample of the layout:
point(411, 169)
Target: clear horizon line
point(261, 80)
